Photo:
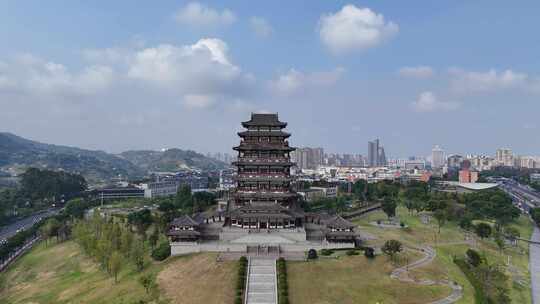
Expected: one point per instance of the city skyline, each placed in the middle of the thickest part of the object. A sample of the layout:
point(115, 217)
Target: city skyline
point(123, 85)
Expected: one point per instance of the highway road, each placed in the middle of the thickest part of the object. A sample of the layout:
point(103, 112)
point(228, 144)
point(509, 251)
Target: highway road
point(25, 223)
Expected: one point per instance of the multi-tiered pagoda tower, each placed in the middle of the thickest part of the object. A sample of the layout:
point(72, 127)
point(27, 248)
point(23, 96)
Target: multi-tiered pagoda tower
point(263, 198)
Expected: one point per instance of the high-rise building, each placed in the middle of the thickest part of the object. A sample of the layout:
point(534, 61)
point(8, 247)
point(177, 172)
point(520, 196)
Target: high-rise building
point(504, 157)
point(382, 157)
point(373, 153)
point(376, 154)
point(437, 157)
point(308, 158)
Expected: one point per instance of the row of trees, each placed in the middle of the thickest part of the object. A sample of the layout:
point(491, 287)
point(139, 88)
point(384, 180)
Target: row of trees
point(109, 243)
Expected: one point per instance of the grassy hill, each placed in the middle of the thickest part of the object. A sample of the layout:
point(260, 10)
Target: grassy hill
point(60, 273)
point(21, 153)
point(171, 160)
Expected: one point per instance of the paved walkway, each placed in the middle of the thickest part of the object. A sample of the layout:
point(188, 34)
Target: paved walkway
point(534, 256)
point(261, 281)
point(402, 274)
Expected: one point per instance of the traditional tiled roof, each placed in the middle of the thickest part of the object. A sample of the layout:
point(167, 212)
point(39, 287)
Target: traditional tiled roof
point(339, 222)
point(184, 221)
point(264, 133)
point(258, 119)
point(262, 147)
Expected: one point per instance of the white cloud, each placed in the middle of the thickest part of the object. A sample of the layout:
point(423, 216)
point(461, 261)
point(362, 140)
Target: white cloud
point(416, 71)
point(31, 75)
point(201, 68)
point(354, 28)
point(199, 15)
point(294, 80)
point(260, 27)
point(198, 101)
point(428, 102)
point(492, 80)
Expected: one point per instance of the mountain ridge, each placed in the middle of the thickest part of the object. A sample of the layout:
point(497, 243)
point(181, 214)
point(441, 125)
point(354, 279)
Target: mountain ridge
point(18, 153)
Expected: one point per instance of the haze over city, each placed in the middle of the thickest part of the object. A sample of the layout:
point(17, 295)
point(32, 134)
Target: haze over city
point(119, 76)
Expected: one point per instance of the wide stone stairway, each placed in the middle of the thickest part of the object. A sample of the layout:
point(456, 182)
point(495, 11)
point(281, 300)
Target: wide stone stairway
point(261, 281)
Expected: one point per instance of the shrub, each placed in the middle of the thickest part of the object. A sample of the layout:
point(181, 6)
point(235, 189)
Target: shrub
point(351, 252)
point(312, 254)
point(326, 252)
point(369, 252)
point(161, 252)
point(238, 300)
point(402, 224)
point(474, 257)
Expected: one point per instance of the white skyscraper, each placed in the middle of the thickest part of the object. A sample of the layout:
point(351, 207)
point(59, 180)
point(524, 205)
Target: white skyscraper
point(437, 157)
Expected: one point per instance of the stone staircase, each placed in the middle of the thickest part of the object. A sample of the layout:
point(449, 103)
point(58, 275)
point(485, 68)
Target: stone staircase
point(261, 281)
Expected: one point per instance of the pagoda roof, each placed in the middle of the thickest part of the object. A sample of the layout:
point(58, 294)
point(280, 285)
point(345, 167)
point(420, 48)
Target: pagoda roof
point(185, 220)
point(260, 119)
point(339, 222)
point(263, 147)
point(264, 133)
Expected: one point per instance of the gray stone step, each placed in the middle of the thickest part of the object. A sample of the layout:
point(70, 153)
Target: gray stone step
point(262, 281)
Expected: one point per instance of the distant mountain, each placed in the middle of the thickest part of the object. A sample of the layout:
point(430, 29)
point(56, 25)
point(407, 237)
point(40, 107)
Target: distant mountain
point(20, 153)
point(172, 160)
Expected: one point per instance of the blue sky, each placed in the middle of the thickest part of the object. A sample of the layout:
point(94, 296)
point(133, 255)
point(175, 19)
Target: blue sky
point(146, 75)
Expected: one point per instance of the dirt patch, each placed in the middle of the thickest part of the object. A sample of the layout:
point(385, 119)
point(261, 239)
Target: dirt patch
point(198, 279)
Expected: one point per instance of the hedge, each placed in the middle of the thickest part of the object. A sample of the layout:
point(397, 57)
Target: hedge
point(283, 287)
point(241, 280)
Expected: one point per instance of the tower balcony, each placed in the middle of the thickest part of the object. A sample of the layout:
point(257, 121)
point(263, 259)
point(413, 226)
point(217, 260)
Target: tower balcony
point(281, 161)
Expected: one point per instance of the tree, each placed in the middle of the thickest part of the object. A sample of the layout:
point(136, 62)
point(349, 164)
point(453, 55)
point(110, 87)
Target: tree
point(483, 230)
point(441, 217)
point(115, 265)
point(392, 247)
point(147, 281)
point(50, 229)
point(153, 239)
point(137, 255)
point(76, 208)
point(499, 241)
point(141, 220)
point(389, 206)
point(474, 257)
point(184, 199)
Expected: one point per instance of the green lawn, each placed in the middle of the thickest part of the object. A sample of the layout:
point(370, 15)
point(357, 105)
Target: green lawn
point(354, 279)
point(60, 273)
point(443, 266)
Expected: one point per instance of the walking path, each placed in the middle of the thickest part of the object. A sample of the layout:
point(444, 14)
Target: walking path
point(261, 281)
point(534, 256)
point(402, 274)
